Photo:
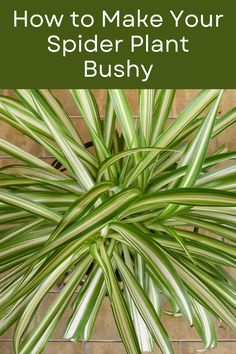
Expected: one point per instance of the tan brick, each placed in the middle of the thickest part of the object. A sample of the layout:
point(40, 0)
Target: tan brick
point(118, 348)
point(6, 348)
point(228, 101)
point(182, 98)
point(228, 138)
point(46, 153)
point(212, 146)
point(6, 92)
point(179, 329)
point(9, 161)
point(51, 348)
point(133, 99)
point(82, 129)
point(105, 327)
point(63, 348)
point(232, 334)
point(222, 348)
point(70, 107)
point(66, 99)
point(176, 348)
point(104, 348)
point(9, 334)
point(232, 272)
point(14, 136)
point(100, 97)
point(47, 301)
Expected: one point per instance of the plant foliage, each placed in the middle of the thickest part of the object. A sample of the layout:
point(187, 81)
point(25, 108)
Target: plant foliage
point(145, 216)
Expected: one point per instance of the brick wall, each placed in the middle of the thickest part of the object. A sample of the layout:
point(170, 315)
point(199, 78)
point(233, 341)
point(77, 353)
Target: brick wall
point(105, 338)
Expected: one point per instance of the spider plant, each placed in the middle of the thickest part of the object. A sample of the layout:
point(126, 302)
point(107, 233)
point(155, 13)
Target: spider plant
point(147, 214)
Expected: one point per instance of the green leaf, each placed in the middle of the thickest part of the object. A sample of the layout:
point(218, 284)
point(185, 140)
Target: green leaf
point(116, 157)
point(146, 98)
point(124, 117)
point(123, 320)
point(186, 117)
point(143, 334)
point(145, 307)
point(33, 304)
point(159, 264)
point(87, 106)
point(87, 303)
point(53, 108)
point(75, 164)
point(109, 123)
point(205, 325)
point(39, 336)
point(32, 207)
point(203, 294)
point(195, 154)
point(124, 219)
point(162, 112)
